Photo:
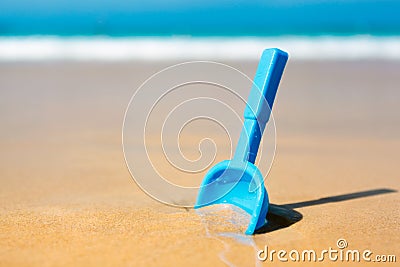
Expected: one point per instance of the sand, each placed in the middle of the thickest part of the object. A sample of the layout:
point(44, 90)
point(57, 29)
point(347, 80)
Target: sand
point(67, 198)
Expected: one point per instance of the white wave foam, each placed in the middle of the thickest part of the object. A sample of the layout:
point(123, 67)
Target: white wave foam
point(184, 48)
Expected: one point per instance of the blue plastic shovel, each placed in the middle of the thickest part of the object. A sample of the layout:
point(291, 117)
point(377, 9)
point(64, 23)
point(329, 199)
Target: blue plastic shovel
point(239, 181)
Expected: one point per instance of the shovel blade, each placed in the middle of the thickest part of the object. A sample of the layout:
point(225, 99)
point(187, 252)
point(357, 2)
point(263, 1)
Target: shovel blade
point(239, 184)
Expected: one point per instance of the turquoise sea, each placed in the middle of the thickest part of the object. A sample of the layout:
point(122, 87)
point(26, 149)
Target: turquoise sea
point(199, 18)
point(177, 29)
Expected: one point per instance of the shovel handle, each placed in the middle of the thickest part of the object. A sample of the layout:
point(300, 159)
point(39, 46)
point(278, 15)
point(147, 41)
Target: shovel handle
point(259, 104)
point(265, 85)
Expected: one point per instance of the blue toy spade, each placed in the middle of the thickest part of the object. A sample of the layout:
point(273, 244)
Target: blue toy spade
point(239, 181)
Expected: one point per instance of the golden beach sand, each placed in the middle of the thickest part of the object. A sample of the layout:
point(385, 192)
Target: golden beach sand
point(67, 198)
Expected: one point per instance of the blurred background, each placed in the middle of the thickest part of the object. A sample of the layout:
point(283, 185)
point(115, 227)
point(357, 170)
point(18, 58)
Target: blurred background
point(199, 18)
point(154, 29)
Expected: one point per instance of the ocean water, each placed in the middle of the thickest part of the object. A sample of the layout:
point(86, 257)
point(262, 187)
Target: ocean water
point(203, 30)
point(199, 17)
point(105, 48)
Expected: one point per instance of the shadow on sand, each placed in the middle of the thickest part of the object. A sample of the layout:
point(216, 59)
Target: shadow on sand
point(282, 216)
